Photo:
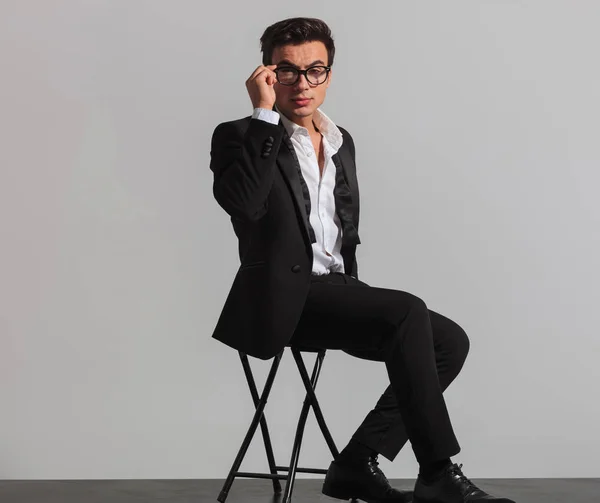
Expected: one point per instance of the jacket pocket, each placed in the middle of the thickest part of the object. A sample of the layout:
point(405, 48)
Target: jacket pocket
point(252, 265)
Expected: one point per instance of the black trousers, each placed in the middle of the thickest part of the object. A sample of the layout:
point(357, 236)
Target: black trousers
point(423, 352)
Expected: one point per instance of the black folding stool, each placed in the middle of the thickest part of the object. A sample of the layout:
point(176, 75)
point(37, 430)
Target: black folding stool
point(310, 400)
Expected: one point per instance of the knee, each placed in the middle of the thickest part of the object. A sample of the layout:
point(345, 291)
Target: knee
point(416, 304)
point(460, 346)
point(406, 305)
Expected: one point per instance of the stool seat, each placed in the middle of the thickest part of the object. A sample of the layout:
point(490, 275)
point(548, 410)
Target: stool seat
point(310, 400)
point(305, 349)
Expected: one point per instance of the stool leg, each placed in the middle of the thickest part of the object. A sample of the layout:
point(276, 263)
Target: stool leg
point(315, 403)
point(248, 438)
point(289, 486)
point(263, 421)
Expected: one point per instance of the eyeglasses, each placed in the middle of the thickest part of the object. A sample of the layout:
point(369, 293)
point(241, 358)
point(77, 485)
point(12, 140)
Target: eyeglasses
point(315, 75)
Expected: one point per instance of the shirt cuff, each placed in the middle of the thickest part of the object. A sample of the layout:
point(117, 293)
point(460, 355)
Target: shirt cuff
point(266, 115)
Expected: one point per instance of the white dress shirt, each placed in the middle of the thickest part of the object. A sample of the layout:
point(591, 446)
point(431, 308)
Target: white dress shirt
point(323, 217)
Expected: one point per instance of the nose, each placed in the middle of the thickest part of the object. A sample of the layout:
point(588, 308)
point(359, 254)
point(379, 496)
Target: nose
point(302, 83)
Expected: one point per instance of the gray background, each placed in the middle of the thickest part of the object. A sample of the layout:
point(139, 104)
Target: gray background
point(476, 125)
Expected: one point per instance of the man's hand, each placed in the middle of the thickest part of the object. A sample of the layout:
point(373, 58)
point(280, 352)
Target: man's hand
point(260, 87)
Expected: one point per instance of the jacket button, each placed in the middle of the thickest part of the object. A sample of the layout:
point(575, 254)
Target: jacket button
point(296, 268)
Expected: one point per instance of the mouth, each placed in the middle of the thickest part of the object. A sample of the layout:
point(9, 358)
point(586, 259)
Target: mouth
point(301, 102)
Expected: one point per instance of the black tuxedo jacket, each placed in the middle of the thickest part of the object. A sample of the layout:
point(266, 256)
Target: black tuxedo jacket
point(258, 182)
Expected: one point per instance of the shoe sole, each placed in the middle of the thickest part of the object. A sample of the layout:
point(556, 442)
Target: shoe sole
point(325, 497)
point(353, 499)
point(338, 495)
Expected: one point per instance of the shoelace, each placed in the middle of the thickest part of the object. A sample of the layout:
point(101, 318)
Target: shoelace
point(374, 464)
point(467, 486)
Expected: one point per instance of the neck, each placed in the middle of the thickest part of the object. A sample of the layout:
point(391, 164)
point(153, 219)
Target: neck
point(306, 122)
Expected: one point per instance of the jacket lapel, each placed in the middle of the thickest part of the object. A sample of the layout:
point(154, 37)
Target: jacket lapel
point(344, 159)
point(347, 207)
point(290, 168)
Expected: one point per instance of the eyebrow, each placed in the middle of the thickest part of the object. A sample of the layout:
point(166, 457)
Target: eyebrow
point(285, 62)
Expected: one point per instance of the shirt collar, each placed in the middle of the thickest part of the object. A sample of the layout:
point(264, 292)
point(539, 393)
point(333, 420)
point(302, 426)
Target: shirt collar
point(325, 125)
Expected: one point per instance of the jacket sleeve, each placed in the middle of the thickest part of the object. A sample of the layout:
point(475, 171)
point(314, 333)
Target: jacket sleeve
point(243, 164)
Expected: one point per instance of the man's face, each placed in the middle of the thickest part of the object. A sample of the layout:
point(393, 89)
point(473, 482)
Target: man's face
point(301, 56)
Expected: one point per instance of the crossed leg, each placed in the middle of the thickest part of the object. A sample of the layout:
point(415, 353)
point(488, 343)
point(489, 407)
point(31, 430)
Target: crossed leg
point(423, 352)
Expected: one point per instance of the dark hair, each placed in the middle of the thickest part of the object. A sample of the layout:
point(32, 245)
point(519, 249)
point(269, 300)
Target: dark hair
point(295, 31)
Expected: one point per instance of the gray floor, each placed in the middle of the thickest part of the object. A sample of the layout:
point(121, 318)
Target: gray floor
point(261, 491)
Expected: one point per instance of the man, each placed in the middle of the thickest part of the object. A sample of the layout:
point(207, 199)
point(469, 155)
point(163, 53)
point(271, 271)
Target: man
point(287, 177)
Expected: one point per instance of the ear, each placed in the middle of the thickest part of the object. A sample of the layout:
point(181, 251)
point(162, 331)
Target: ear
point(329, 78)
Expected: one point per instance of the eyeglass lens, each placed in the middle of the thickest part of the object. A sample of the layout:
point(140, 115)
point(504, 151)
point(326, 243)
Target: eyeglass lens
point(315, 75)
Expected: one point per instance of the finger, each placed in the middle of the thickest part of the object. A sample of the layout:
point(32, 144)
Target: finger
point(264, 75)
point(259, 76)
point(271, 78)
point(258, 70)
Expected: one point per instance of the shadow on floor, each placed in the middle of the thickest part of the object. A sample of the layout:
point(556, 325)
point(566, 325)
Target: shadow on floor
point(261, 491)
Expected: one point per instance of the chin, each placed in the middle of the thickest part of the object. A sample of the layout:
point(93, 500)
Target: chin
point(304, 111)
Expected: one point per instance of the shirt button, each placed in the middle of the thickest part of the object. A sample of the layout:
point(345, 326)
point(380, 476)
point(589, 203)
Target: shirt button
point(296, 268)
point(309, 153)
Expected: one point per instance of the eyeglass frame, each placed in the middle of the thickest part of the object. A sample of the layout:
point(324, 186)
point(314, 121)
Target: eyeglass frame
point(302, 72)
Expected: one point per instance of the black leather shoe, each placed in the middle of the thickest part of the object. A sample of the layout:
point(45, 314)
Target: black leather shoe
point(452, 487)
point(363, 480)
